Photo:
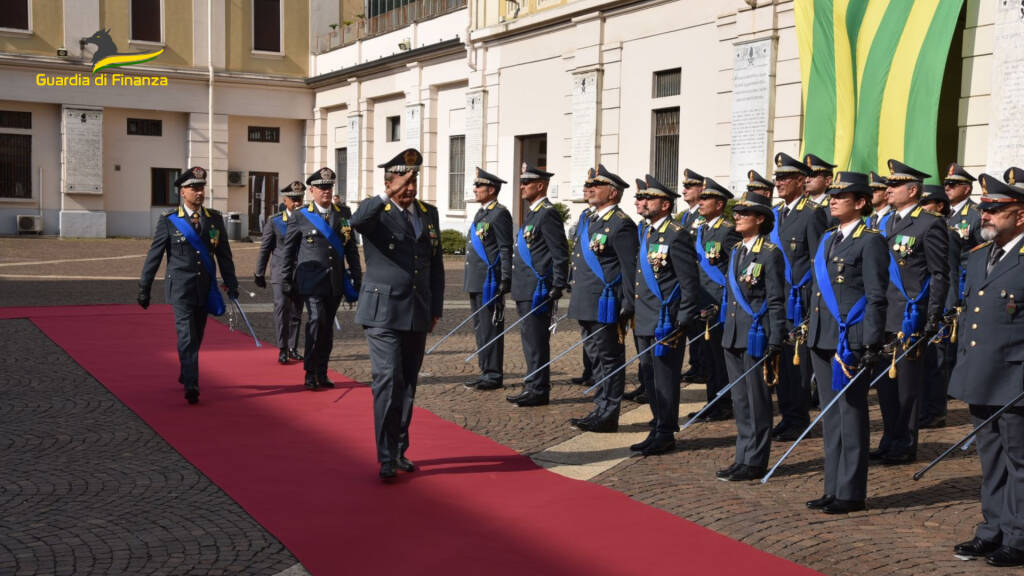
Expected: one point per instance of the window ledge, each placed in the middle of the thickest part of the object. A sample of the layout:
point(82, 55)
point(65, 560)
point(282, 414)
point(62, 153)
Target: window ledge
point(16, 32)
point(456, 214)
point(33, 201)
point(266, 55)
point(147, 44)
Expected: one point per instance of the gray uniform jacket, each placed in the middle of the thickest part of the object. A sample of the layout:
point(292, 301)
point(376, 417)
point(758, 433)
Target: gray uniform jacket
point(718, 241)
point(858, 268)
point(799, 234)
point(493, 225)
point(404, 284)
point(317, 269)
point(272, 243)
point(990, 357)
point(549, 250)
point(924, 251)
point(674, 263)
point(760, 275)
point(614, 241)
point(965, 223)
point(186, 279)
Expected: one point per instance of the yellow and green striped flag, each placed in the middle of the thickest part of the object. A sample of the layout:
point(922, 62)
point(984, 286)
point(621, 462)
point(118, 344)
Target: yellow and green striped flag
point(871, 73)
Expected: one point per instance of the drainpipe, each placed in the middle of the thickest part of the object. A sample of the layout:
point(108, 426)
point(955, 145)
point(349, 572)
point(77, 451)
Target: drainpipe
point(471, 53)
point(209, 117)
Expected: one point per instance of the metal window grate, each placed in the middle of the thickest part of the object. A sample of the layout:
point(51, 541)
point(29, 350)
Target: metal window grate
point(14, 119)
point(456, 172)
point(264, 134)
point(145, 127)
point(15, 166)
point(665, 151)
point(667, 83)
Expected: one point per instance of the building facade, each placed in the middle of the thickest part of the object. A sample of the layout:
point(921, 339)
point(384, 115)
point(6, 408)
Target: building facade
point(646, 86)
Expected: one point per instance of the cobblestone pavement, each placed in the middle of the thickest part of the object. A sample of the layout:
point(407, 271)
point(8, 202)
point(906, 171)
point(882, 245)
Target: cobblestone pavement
point(910, 527)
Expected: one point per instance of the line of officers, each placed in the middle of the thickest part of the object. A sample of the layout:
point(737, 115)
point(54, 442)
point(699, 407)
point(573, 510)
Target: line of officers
point(848, 271)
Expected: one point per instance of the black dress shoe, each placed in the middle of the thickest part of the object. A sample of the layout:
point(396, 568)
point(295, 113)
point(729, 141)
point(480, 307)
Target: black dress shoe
point(642, 398)
point(577, 421)
point(746, 473)
point(632, 395)
point(311, 383)
point(606, 425)
point(932, 423)
point(583, 381)
point(472, 384)
point(660, 445)
point(387, 471)
point(1005, 557)
point(282, 356)
point(323, 382)
point(533, 399)
point(642, 444)
point(820, 503)
point(692, 375)
point(405, 465)
point(778, 428)
point(717, 416)
point(517, 397)
point(877, 454)
point(490, 385)
point(788, 435)
point(192, 395)
point(897, 458)
point(844, 506)
point(976, 548)
point(726, 472)
point(294, 354)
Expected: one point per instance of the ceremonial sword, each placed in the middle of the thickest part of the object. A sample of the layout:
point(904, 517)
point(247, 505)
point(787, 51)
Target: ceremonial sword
point(721, 393)
point(630, 361)
point(506, 331)
point(463, 323)
point(566, 351)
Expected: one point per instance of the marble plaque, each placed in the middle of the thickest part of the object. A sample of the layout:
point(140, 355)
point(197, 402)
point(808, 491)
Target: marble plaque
point(83, 151)
point(585, 104)
point(476, 114)
point(1006, 110)
point(414, 126)
point(751, 120)
point(353, 189)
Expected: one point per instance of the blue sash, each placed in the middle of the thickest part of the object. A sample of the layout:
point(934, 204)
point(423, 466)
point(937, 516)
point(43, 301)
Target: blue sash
point(713, 272)
point(320, 224)
point(963, 282)
point(664, 327)
point(540, 293)
point(911, 312)
point(281, 225)
point(883, 221)
point(795, 302)
point(608, 305)
point(490, 287)
point(214, 301)
point(757, 340)
point(843, 359)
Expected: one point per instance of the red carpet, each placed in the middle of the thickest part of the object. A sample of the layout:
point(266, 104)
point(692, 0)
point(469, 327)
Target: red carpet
point(303, 465)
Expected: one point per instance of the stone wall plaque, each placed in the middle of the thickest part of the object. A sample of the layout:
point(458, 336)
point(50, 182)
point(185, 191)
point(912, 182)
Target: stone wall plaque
point(1006, 110)
point(751, 108)
point(82, 140)
point(585, 109)
point(476, 114)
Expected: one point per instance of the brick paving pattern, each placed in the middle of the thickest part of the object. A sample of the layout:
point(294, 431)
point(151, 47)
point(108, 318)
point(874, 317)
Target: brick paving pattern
point(910, 527)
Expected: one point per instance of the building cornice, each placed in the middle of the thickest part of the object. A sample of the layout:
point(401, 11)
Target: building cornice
point(400, 60)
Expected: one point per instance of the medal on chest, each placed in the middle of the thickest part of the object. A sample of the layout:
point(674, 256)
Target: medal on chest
point(752, 273)
point(598, 241)
point(657, 256)
point(482, 228)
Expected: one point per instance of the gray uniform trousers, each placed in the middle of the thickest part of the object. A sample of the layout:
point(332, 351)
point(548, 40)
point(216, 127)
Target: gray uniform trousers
point(663, 387)
point(718, 375)
point(1001, 450)
point(320, 333)
point(794, 387)
point(644, 370)
point(536, 346)
point(900, 402)
point(606, 354)
point(287, 318)
point(491, 359)
point(752, 406)
point(846, 430)
point(938, 359)
point(393, 390)
point(190, 324)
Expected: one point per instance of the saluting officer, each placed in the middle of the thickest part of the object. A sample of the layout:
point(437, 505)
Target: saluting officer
point(287, 307)
point(191, 236)
point(817, 183)
point(540, 271)
point(401, 300)
point(990, 368)
point(845, 333)
point(879, 201)
point(666, 303)
point(488, 274)
point(604, 266)
point(691, 220)
point(918, 285)
point(715, 239)
point(317, 244)
point(938, 357)
point(799, 224)
point(755, 326)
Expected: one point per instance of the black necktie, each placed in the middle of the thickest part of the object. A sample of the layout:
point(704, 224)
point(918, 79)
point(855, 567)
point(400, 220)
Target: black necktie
point(195, 221)
point(782, 216)
point(741, 253)
point(897, 219)
point(408, 222)
point(997, 255)
point(835, 242)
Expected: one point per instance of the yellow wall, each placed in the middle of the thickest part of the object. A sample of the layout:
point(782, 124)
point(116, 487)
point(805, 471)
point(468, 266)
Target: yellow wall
point(47, 31)
point(348, 10)
point(294, 62)
point(496, 9)
point(116, 15)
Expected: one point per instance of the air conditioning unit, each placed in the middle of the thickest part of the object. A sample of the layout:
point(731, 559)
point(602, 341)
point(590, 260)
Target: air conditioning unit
point(237, 178)
point(30, 224)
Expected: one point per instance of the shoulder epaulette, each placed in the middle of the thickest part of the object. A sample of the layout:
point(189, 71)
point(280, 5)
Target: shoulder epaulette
point(980, 246)
point(917, 212)
point(833, 228)
point(423, 205)
point(770, 245)
point(936, 214)
point(803, 202)
point(872, 230)
point(674, 226)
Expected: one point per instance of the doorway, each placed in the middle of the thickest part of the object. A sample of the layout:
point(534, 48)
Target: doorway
point(263, 189)
point(533, 149)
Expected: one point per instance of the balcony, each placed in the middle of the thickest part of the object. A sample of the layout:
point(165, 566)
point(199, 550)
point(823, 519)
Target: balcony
point(384, 16)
